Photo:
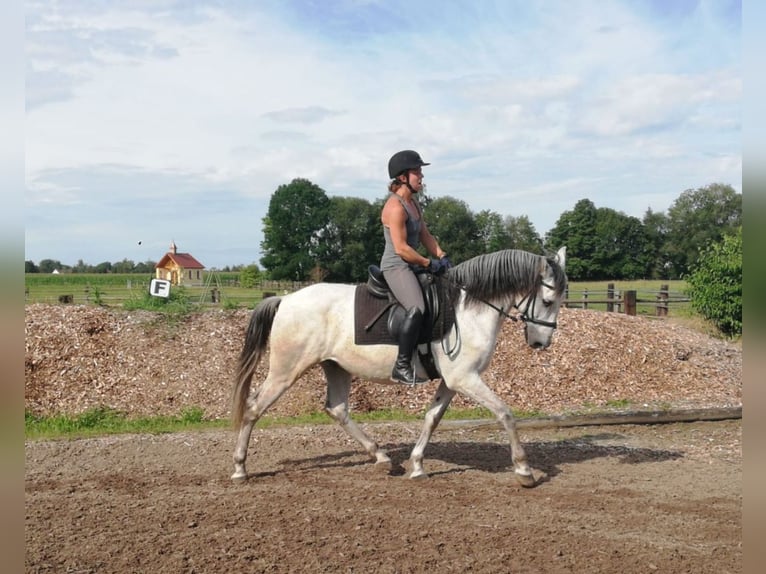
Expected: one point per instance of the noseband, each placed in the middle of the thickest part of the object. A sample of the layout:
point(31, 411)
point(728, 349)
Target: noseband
point(527, 315)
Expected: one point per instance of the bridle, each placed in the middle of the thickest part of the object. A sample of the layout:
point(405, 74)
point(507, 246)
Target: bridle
point(527, 314)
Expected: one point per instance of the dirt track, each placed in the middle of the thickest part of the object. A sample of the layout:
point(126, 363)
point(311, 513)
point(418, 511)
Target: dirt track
point(662, 498)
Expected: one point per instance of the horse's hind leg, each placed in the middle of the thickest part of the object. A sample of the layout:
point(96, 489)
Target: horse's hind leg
point(271, 389)
point(441, 401)
point(336, 405)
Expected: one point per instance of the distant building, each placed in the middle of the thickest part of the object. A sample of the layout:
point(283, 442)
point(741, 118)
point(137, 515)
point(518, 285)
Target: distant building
point(179, 268)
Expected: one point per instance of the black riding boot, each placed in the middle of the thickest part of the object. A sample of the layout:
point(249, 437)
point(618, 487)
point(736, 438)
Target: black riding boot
point(408, 339)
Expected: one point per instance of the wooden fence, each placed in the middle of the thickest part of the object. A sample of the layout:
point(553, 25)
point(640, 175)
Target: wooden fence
point(625, 301)
point(655, 303)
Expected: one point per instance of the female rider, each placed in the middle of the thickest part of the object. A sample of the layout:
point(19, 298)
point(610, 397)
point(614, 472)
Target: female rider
point(404, 230)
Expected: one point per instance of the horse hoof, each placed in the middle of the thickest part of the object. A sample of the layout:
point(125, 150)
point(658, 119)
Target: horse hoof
point(419, 476)
point(383, 467)
point(239, 478)
point(526, 480)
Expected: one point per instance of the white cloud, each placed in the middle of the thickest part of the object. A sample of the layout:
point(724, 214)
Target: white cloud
point(510, 102)
point(651, 101)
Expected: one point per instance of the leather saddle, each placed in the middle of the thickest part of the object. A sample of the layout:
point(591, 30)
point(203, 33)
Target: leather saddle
point(438, 317)
point(377, 286)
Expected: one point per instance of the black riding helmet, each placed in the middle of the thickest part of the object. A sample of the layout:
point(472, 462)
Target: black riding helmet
point(404, 160)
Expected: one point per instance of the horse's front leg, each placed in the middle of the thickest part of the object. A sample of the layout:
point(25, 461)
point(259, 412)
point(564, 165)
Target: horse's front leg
point(434, 414)
point(474, 387)
point(518, 456)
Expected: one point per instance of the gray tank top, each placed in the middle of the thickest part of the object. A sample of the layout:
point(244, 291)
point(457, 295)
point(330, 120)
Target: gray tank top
point(390, 260)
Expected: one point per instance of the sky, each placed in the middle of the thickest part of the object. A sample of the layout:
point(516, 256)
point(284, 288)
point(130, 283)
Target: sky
point(151, 121)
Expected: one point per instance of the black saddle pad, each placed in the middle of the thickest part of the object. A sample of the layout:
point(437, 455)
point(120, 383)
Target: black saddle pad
point(371, 319)
point(366, 308)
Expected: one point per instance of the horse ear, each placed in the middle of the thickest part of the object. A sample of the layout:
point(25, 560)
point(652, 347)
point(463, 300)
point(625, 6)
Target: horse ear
point(561, 256)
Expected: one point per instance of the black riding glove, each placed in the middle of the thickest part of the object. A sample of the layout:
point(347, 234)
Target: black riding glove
point(436, 267)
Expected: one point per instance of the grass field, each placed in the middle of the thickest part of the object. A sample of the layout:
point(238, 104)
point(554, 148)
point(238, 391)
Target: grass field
point(101, 421)
point(115, 290)
point(647, 292)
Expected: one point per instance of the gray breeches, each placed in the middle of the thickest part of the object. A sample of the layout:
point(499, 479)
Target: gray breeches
point(405, 287)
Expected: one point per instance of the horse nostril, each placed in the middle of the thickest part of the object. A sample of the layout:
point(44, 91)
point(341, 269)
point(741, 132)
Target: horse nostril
point(538, 345)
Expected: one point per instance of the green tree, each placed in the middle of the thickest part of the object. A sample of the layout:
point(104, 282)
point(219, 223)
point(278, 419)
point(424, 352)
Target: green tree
point(715, 284)
point(81, 267)
point(577, 230)
point(622, 248)
point(699, 218)
point(492, 231)
point(124, 266)
point(352, 239)
point(523, 235)
point(49, 265)
point(454, 226)
point(147, 266)
point(602, 243)
point(30, 267)
point(103, 267)
point(656, 230)
point(292, 230)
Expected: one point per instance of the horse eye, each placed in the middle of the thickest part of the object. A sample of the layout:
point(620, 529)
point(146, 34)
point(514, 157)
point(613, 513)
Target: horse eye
point(547, 302)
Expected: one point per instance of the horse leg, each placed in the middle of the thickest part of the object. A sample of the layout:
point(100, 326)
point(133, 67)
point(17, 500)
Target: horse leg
point(336, 405)
point(475, 388)
point(441, 401)
point(271, 389)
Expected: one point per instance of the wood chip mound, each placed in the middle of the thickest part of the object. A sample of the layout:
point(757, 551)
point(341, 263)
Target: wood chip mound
point(83, 357)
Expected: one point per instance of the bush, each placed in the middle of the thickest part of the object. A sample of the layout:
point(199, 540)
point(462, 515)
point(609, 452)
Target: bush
point(178, 304)
point(715, 284)
point(249, 276)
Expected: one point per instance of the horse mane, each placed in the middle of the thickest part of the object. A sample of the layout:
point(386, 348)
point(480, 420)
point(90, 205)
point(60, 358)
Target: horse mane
point(501, 275)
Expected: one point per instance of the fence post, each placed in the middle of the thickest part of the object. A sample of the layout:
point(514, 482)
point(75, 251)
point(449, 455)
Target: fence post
point(610, 296)
point(630, 302)
point(662, 301)
point(585, 299)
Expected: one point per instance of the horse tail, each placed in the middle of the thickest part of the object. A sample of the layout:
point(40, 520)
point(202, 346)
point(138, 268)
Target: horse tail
point(256, 339)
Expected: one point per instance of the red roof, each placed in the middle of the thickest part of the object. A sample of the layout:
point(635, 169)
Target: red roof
point(184, 260)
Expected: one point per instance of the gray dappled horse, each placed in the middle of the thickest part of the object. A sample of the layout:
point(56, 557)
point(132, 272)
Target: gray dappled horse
point(315, 325)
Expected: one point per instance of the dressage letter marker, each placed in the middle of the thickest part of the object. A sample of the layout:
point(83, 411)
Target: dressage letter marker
point(159, 288)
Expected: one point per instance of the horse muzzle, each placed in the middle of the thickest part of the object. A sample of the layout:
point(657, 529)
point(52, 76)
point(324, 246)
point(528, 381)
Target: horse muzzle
point(538, 338)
